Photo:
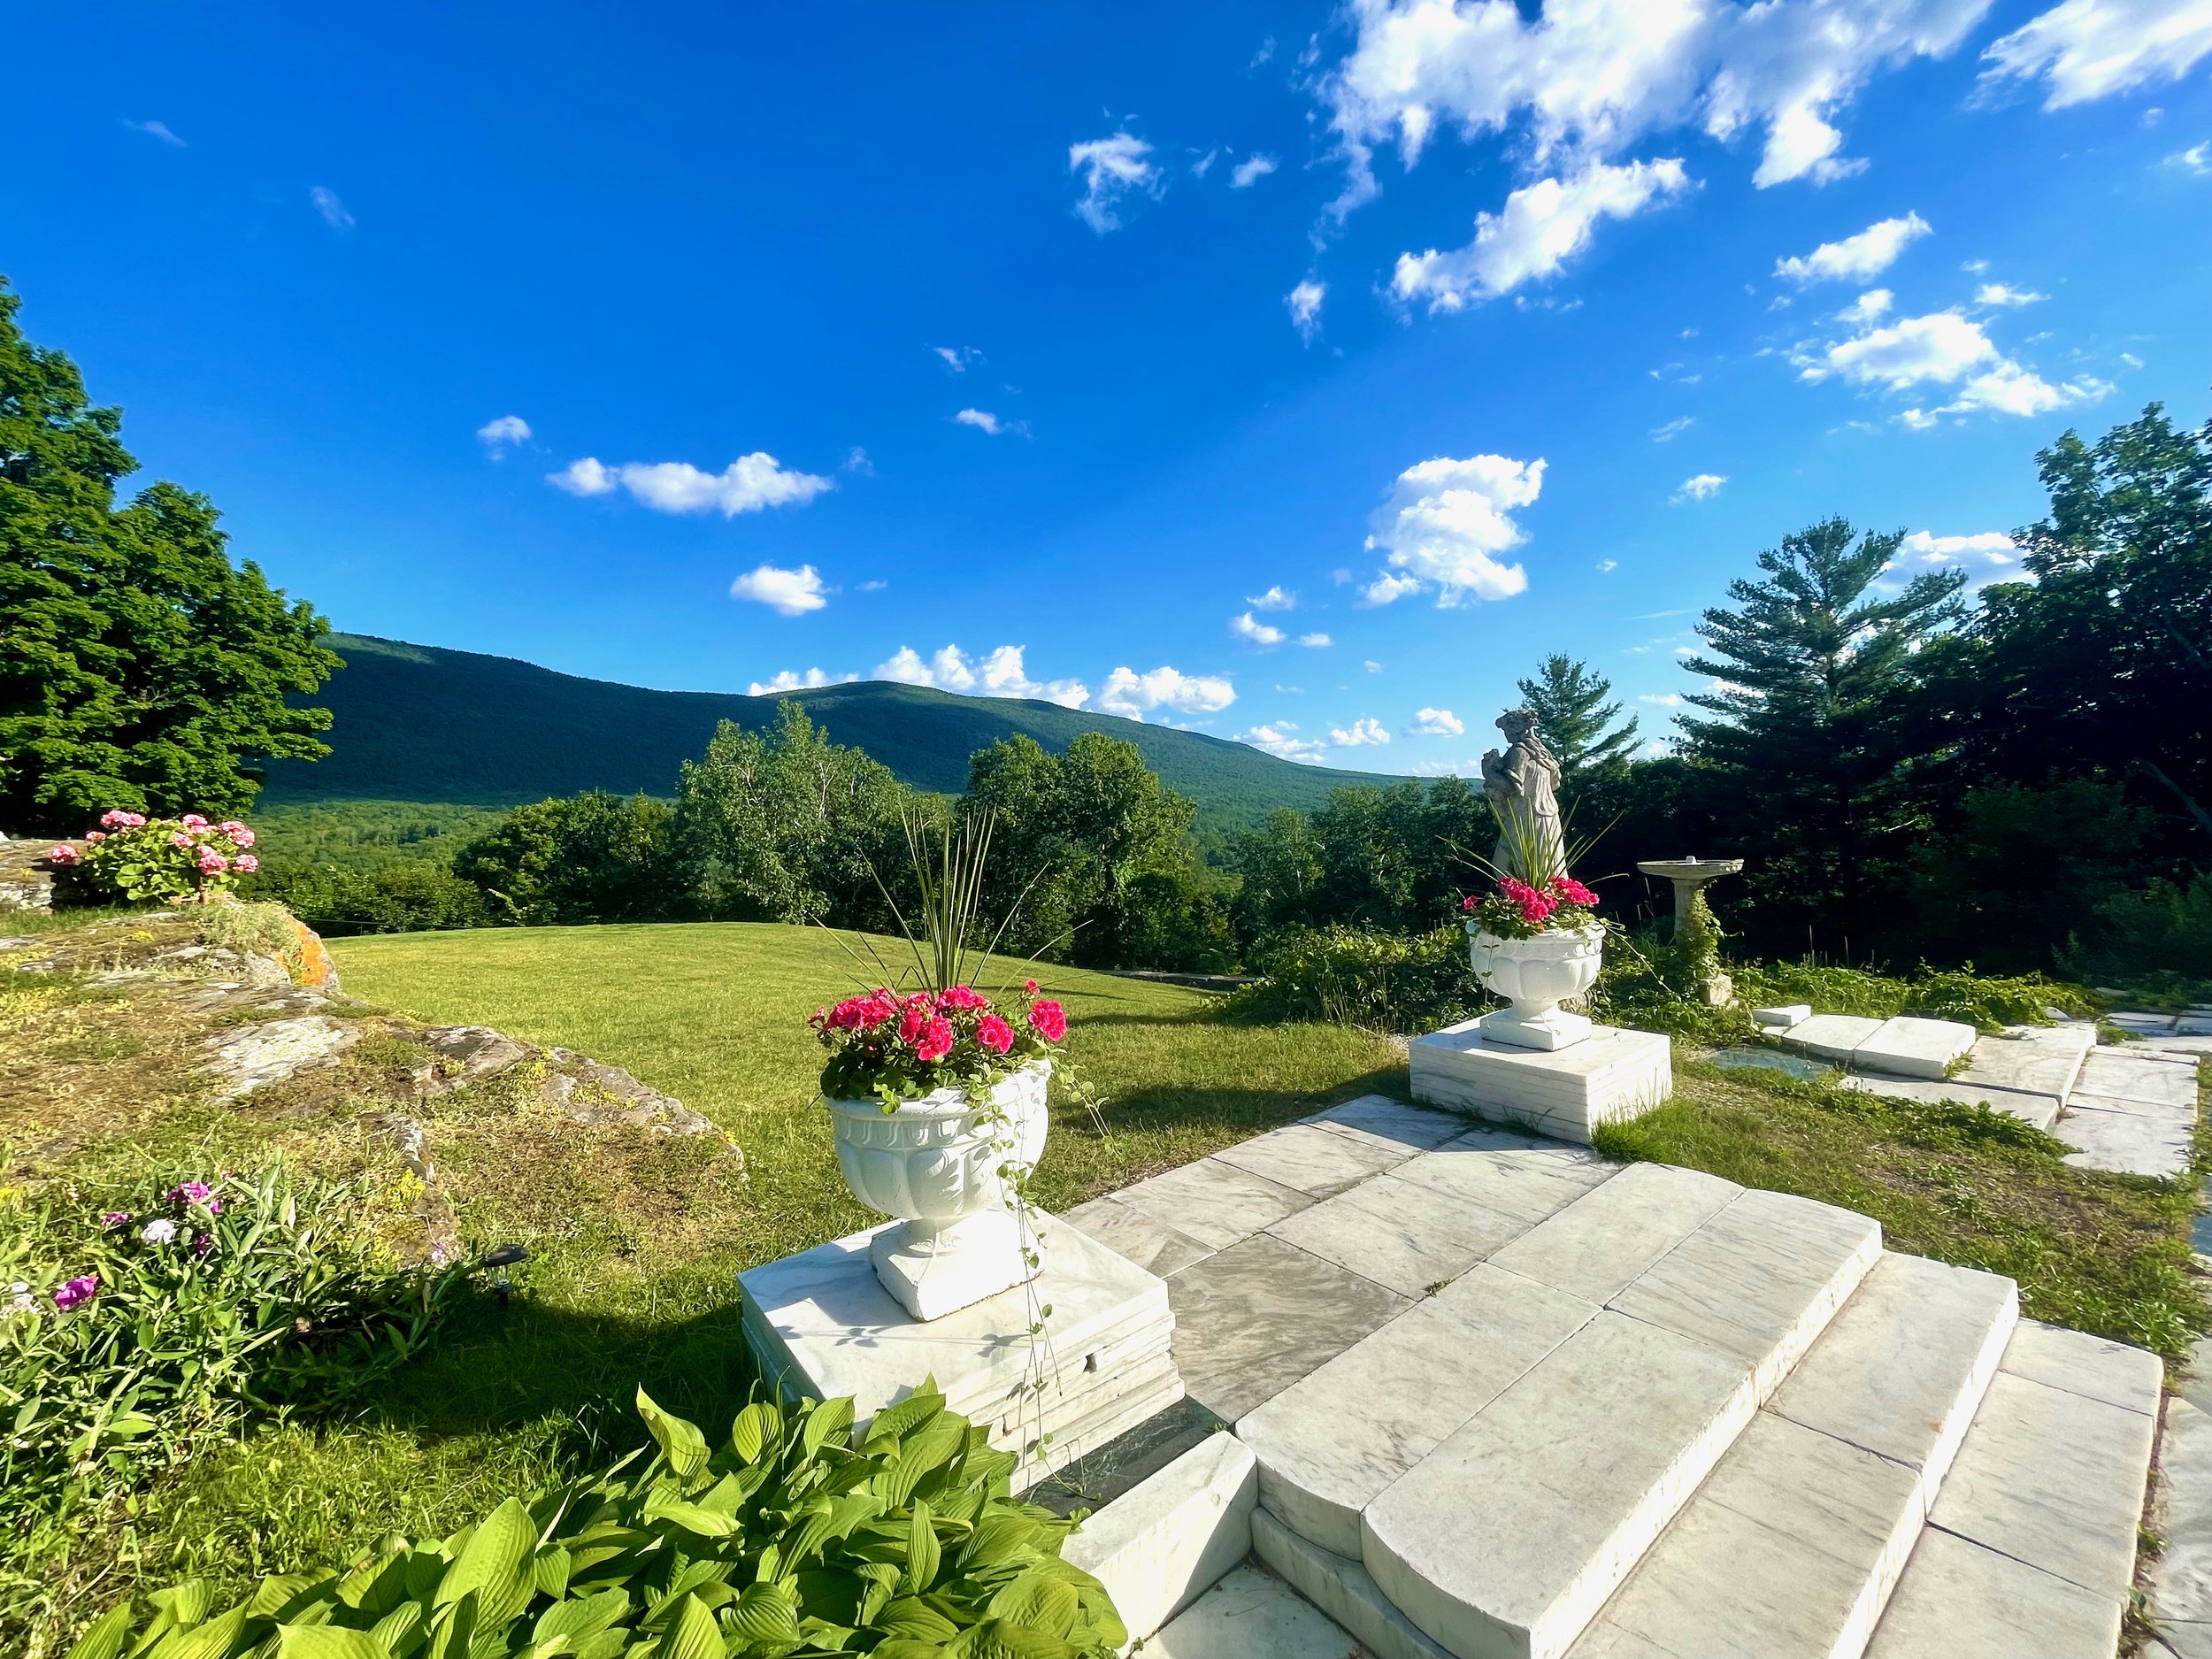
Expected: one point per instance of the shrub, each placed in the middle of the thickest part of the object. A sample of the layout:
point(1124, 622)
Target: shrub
point(1984, 1003)
point(800, 1534)
point(142, 859)
point(1351, 976)
point(2162, 932)
point(418, 897)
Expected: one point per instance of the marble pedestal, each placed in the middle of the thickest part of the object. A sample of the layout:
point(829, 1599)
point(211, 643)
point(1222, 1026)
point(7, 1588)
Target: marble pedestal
point(973, 1258)
point(820, 1324)
point(1611, 1075)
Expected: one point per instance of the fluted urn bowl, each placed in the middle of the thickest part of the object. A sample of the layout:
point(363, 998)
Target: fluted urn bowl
point(930, 1162)
point(1535, 976)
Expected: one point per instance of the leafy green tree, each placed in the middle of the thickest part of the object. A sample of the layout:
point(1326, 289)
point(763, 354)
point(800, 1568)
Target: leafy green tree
point(1278, 876)
point(1813, 665)
point(593, 857)
point(139, 668)
point(1395, 858)
point(1572, 716)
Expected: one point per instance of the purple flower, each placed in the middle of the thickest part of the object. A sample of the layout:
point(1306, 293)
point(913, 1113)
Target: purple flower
point(190, 1193)
point(115, 1218)
point(77, 1291)
point(202, 1244)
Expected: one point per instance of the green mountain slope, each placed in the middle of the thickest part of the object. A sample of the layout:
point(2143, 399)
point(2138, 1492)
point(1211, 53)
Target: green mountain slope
point(420, 724)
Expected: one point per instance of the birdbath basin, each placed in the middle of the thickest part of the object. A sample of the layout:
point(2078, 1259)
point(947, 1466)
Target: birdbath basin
point(1690, 876)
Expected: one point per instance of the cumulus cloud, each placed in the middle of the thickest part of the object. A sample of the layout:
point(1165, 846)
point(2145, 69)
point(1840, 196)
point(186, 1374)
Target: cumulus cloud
point(1436, 723)
point(1276, 598)
point(1361, 732)
point(786, 593)
point(1444, 526)
point(999, 674)
point(1870, 307)
point(746, 485)
point(157, 131)
point(1541, 227)
point(1985, 554)
point(1661, 700)
point(790, 680)
point(1253, 632)
point(1855, 258)
point(1314, 641)
point(502, 434)
point(1280, 738)
point(1135, 695)
point(1704, 486)
point(325, 203)
point(1943, 349)
point(2086, 50)
point(1304, 302)
point(1999, 294)
point(983, 421)
point(1112, 168)
point(1250, 171)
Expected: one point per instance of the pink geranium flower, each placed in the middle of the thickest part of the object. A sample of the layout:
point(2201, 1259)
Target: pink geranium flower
point(1048, 1019)
point(62, 856)
point(994, 1034)
point(935, 1040)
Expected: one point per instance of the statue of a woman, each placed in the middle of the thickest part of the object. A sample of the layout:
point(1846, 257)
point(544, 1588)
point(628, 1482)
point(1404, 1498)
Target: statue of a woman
point(1523, 784)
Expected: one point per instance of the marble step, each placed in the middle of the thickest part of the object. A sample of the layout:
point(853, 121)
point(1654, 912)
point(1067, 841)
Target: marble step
point(2029, 1552)
point(1792, 1546)
point(1503, 1539)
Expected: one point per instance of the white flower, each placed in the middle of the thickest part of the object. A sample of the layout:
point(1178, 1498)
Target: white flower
point(19, 1299)
point(159, 1232)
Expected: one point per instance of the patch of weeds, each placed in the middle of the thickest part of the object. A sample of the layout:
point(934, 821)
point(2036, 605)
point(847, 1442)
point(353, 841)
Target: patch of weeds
point(1986, 1003)
point(258, 930)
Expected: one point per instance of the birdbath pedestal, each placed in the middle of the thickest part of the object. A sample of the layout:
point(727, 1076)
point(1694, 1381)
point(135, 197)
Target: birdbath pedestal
point(1690, 876)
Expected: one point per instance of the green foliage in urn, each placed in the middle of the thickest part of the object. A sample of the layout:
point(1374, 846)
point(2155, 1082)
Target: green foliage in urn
point(798, 1534)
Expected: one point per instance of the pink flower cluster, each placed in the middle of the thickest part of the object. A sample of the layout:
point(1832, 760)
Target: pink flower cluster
point(198, 851)
point(959, 1024)
point(1519, 908)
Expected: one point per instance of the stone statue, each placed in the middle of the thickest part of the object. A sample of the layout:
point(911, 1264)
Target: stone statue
point(1523, 784)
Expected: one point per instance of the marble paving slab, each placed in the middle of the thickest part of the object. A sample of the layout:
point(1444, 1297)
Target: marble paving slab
point(1380, 1118)
point(1310, 1159)
point(2126, 1142)
point(2144, 1079)
point(1215, 1202)
point(1603, 1242)
point(2039, 1109)
point(1403, 1234)
point(1137, 1234)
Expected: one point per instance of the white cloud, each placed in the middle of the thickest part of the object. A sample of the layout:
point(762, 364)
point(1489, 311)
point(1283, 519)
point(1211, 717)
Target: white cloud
point(1606, 567)
point(1134, 696)
point(791, 681)
point(746, 485)
point(1314, 641)
point(1855, 258)
point(1279, 738)
point(1001, 673)
point(2086, 50)
point(1363, 731)
point(1253, 632)
point(786, 593)
point(1704, 486)
point(158, 130)
point(1673, 429)
point(1436, 723)
point(2196, 158)
point(1112, 168)
point(333, 210)
point(1990, 549)
point(1372, 666)
point(1251, 172)
point(1445, 524)
point(1592, 77)
point(1305, 308)
point(959, 359)
point(983, 421)
point(502, 434)
point(1999, 294)
point(1870, 306)
point(1942, 349)
point(1541, 227)
point(1661, 700)
point(1276, 598)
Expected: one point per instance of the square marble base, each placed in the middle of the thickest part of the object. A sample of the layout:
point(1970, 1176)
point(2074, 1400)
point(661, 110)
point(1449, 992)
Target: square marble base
point(959, 1266)
point(1611, 1076)
point(820, 1324)
point(1552, 1030)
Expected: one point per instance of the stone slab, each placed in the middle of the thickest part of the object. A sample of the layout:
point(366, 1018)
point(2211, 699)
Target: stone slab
point(1310, 1159)
point(2181, 1578)
point(1401, 1234)
point(2135, 1021)
point(1252, 1614)
point(2039, 1109)
point(1960, 1601)
point(2126, 1142)
point(1336, 1440)
point(1602, 1243)
point(1832, 1037)
point(2144, 1079)
point(2032, 1060)
point(2081, 1364)
point(1138, 1234)
point(1788, 1015)
point(1254, 1319)
point(1506, 1539)
point(1214, 1203)
point(1902, 1368)
point(2052, 1478)
point(1790, 1547)
point(1163, 1542)
point(820, 1321)
point(1342, 1588)
point(1759, 1279)
point(1379, 1117)
point(1908, 1047)
point(1524, 1180)
point(1611, 1076)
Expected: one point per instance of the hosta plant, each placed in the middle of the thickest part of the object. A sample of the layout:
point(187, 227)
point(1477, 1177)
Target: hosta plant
point(798, 1534)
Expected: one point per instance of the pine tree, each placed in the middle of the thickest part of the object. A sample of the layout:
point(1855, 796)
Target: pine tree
point(1574, 719)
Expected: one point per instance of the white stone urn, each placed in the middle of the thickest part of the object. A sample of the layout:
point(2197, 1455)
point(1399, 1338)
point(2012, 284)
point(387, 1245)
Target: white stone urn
point(935, 1163)
point(1535, 976)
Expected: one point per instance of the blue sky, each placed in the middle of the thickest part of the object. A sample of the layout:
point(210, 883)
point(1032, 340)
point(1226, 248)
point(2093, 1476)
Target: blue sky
point(1441, 336)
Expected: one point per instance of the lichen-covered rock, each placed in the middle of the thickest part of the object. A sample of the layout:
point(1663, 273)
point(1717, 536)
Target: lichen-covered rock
point(592, 1091)
point(475, 1051)
point(254, 1057)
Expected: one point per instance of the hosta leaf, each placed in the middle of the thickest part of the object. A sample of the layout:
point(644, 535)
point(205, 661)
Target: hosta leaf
point(327, 1641)
point(608, 1644)
point(691, 1634)
point(996, 1638)
point(187, 1603)
point(831, 1594)
point(759, 1427)
point(212, 1640)
point(909, 1413)
point(280, 1597)
point(1000, 1541)
point(922, 1553)
point(550, 1570)
point(396, 1627)
point(104, 1638)
point(765, 1613)
point(910, 1617)
point(1038, 1601)
point(680, 1442)
point(586, 1615)
point(905, 1648)
point(706, 1522)
point(830, 1418)
point(496, 1565)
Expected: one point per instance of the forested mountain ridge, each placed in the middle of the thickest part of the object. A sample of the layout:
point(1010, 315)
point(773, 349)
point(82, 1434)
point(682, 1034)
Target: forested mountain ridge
point(423, 724)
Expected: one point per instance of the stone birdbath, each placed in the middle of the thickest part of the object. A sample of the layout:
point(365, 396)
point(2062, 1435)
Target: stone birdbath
point(1691, 876)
